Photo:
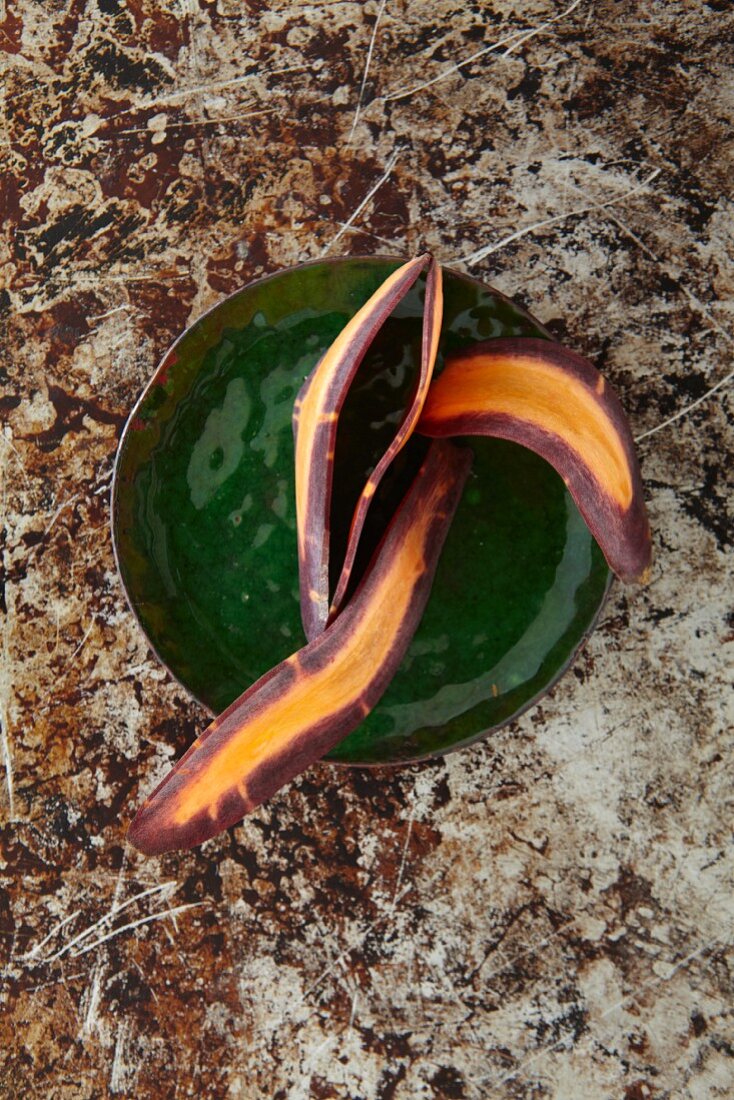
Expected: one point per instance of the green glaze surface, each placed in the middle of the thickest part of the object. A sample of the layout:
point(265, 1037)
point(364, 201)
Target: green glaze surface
point(205, 528)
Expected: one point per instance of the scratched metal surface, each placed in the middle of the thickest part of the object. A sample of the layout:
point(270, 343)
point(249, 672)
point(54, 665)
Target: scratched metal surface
point(544, 915)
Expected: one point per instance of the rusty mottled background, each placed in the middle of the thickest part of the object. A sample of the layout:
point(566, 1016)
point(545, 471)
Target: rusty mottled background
point(548, 914)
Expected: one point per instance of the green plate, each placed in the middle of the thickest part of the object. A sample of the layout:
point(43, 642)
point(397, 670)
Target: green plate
point(204, 521)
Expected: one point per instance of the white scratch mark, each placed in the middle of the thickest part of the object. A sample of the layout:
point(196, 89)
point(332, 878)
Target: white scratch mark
point(487, 250)
point(695, 303)
point(136, 924)
point(355, 214)
point(55, 981)
point(57, 928)
point(353, 1011)
point(79, 648)
point(391, 244)
point(539, 29)
point(95, 991)
point(55, 649)
point(403, 859)
point(6, 683)
point(109, 313)
point(322, 1046)
point(119, 1070)
point(105, 484)
point(657, 980)
point(380, 10)
point(108, 917)
point(200, 89)
point(200, 122)
point(7, 761)
point(526, 953)
point(61, 508)
point(123, 338)
point(689, 408)
point(6, 687)
point(139, 969)
point(518, 37)
point(119, 882)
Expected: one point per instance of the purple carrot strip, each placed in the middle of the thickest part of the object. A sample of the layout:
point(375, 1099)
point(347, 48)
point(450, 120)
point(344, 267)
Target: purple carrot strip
point(556, 403)
point(308, 703)
point(432, 318)
point(315, 421)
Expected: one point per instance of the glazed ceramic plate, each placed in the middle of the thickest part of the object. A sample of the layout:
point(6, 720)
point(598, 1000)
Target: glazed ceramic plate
point(204, 519)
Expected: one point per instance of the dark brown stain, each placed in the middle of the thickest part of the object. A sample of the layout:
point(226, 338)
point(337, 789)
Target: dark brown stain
point(640, 1090)
point(70, 413)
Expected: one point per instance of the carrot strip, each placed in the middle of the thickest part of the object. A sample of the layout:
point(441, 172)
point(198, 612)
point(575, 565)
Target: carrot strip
point(432, 318)
point(315, 419)
point(311, 701)
point(556, 403)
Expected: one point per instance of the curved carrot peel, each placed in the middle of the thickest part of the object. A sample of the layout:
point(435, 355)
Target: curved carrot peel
point(556, 403)
point(315, 419)
point(432, 318)
point(311, 701)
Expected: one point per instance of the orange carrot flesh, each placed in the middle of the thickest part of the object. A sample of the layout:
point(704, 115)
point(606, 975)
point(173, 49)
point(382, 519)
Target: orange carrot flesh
point(554, 402)
point(315, 421)
point(311, 701)
point(432, 318)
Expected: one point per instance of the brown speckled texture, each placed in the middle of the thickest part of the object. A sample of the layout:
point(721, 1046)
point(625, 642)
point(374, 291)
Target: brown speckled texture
point(545, 915)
